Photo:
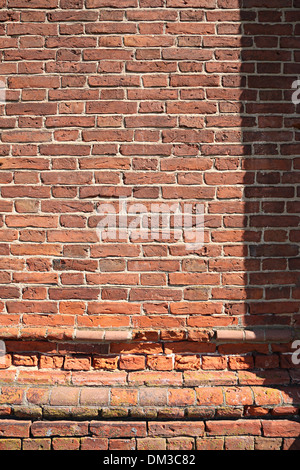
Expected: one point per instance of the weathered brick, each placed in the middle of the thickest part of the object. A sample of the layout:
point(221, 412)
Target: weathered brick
point(281, 428)
point(62, 428)
point(236, 428)
point(12, 428)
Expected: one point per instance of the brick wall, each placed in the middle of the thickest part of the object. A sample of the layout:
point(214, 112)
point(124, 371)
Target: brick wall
point(155, 102)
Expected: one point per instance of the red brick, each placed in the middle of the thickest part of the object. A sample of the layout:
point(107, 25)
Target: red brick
point(266, 396)
point(64, 396)
point(238, 427)
point(12, 428)
point(94, 443)
point(36, 444)
point(152, 397)
point(132, 362)
point(62, 428)
point(118, 429)
point(151, 443)
point(122, 444)
point(209, 396)
point(239, 443)
point(74, 363)
point(265, 443)
point(121, 397)
point(167, 429)
point(281, 428)
point(183, 397)
point(162, 114)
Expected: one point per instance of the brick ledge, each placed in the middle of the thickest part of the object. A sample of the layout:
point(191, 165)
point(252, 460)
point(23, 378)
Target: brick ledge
point(201, 335)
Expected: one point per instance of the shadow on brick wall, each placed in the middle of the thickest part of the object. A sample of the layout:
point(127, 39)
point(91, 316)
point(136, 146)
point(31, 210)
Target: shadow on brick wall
point(270, 162)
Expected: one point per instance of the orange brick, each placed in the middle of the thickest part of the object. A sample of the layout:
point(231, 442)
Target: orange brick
point(131, 362)
point(209, 396)
point(160, 362)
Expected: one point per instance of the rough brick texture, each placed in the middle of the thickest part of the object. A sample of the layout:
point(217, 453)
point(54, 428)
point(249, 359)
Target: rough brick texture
point(160, 102)
point(137, 435)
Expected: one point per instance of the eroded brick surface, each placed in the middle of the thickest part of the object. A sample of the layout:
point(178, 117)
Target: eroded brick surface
point(160, 102)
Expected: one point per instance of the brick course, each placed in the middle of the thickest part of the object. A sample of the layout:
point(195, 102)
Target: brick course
point(161, 101)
